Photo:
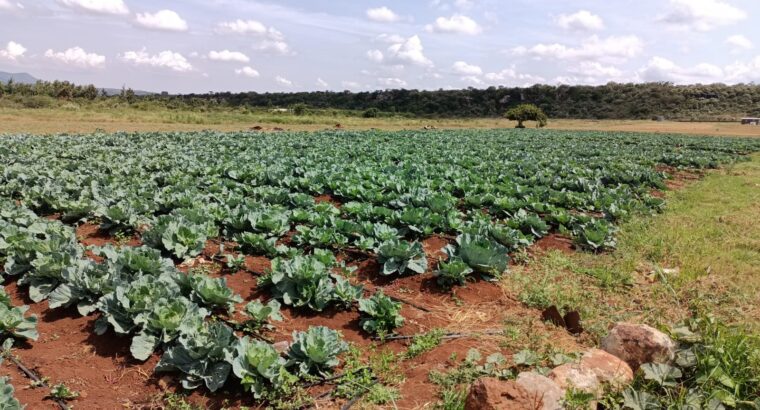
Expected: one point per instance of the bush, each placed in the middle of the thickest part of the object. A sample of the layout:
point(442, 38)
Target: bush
point(38, 101)
point(300, 109)
point(371, 113)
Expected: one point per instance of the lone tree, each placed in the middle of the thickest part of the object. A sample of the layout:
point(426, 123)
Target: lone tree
point(527, 112)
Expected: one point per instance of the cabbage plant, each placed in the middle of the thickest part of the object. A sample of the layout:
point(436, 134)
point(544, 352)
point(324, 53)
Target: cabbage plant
point(482, 254)
point(315, 352)
point(200, 354)
point(452, 272)
point(259, 367)
point(14, 322)
point(380, 314)
point(260, 314)
point(7, 399)
point(402, 257)
point(302, 281)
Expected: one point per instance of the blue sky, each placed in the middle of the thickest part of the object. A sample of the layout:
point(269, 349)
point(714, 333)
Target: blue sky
point(256, 45)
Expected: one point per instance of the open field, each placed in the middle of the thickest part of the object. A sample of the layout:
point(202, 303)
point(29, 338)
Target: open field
point(116, 240)
point(46, 121)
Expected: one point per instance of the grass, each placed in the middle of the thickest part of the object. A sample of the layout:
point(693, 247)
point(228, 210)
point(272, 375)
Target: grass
point(701, 256)
point(424, 343)
point(126, 118)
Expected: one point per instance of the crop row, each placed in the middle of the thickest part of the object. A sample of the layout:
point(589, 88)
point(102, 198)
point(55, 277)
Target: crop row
point(298, 199)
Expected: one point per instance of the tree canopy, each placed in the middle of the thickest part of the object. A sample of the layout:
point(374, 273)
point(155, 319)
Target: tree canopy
point(527, 112)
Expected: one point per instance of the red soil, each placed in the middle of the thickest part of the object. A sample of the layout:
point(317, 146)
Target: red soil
point(554, 242)
point(90, 235)
point(100, 368)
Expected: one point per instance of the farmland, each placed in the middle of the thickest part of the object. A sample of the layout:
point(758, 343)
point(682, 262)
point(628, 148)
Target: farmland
point(253, 267)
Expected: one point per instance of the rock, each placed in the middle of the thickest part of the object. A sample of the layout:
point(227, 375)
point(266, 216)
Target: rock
point(609, 369)
point(490, 393)
point(542, 388)
point(575, 376)
point(639, 344)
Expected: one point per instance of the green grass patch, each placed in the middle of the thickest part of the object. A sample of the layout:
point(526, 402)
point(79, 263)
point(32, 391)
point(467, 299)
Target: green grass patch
point(700, 256)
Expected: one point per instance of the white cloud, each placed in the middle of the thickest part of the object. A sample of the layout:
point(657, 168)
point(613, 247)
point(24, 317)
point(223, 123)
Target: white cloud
point(464, 4)
point(593, 48)
point(351, 85)
point(322, 83)
point(740, 43)
point(274, 46)
point(510, 76)
point(9, 5)
point(270, 39)
point(162, 20)
point(227, 55)
point(164, 59)
point(283, 81)
point(702, 15)
point(390, 38)
point(375, 55)
point(12, 51)
point(242, 27)
point(76, 56)
point(391, 82)
point(457, 23)
point(472, 79)
point(461, 67)
point(662, 69)
point(581, 21)
point(383, 15)
point(743, 72)
point(596, 69)
point(98, 6)
point(409, 51)
point(248, 72)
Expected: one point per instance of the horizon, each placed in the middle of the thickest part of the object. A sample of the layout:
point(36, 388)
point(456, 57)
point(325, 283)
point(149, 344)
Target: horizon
point(256, 46)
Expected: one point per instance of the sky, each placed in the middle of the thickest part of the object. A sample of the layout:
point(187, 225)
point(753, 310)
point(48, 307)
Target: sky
point(258, 45)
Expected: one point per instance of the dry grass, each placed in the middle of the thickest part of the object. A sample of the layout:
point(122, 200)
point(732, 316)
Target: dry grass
point(47, 121)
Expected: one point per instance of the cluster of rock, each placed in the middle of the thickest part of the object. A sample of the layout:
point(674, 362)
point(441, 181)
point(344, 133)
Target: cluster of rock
point(622, 352)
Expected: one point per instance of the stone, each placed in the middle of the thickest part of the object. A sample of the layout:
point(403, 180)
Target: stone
point(543, 388)
point(490, 393)
point(609, 369)
point(639, 344)
point(577, 377)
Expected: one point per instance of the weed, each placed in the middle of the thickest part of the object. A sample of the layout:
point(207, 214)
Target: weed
point(424, 343)
point(174, 401)
point(452, 399)
point(578, 399)
point(122, 238)
point(380, 394)
point(61, 392)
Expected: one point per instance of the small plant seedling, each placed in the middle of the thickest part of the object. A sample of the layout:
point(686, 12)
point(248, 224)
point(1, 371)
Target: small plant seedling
point(61, 392)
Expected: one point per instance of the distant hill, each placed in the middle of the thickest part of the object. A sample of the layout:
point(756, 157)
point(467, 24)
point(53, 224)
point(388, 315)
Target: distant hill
point(24, 78)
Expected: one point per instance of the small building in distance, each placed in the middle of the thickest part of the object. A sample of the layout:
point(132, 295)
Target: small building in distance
point(750, 121)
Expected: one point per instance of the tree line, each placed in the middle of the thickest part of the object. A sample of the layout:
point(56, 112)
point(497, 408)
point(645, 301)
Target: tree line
point(54, 89)
point(610, 101)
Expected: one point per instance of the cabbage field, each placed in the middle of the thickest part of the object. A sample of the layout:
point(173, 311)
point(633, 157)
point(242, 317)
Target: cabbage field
point(298, 231)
